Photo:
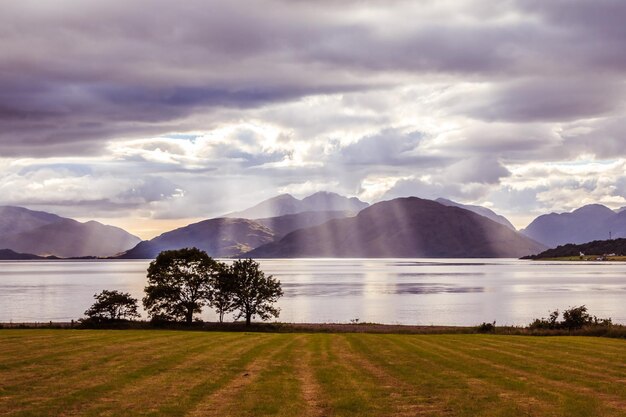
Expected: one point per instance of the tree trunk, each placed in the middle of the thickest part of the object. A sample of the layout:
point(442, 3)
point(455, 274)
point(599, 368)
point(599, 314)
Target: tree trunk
point(189, 316)
point(248, 319)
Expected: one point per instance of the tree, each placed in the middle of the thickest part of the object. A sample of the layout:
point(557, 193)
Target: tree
point(253, 293)
point(576, 318)
point(113, 305)
point(221, 297)
point(179, 284)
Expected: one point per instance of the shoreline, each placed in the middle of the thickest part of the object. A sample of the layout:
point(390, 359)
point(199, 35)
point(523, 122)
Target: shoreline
point(255, 326)
point(613, 331)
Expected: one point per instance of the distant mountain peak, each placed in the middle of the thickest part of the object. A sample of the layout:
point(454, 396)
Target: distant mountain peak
point(585, 224)
point(594, 209)
point(284, 196)
point(284, 204)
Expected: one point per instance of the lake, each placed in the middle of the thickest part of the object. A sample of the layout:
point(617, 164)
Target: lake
point(393, 291)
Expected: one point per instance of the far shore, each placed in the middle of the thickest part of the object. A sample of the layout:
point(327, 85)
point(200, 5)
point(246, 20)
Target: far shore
point(586, 258)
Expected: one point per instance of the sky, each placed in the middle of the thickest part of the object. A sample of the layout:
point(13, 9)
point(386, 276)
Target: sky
point(149, 114)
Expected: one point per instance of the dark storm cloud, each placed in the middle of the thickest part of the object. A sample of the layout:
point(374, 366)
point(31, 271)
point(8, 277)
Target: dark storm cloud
point(74, 74)
point(603, 138)
point(549, 99)
point(200, 107)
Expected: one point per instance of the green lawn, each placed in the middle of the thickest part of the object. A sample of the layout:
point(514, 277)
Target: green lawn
point(177, 373)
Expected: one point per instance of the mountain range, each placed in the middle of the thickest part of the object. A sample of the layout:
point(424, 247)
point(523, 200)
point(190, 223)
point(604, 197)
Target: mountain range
point(45, 234)
point(404, 227)
point(288, 204)
point(588, 223)
point(229, 237)
point(322, 224)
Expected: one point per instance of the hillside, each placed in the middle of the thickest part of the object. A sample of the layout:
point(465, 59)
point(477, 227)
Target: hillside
point(228, 237)
point(283, 225)
point(220, 237)
point(483, 211)
point(41, 233)
point(10, 255)
point(404, 227)
point(588, 223)
point(597, 247)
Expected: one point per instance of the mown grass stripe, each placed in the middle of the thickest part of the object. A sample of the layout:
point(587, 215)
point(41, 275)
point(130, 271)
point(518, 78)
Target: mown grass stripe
point(567, 398)
point(145, 395)
point(576, 380)
point(546, 367)
point(576, 345)
point(273, 391)
point(414, 396)
point(310, 389)
point(551, 359)
point(170, 373)
point(30, 352)
point(344, 390)
point(491, 387)
point(97, 381)
point(220, 401)
point(69, 363)
point(566, 358)
point(464, 391)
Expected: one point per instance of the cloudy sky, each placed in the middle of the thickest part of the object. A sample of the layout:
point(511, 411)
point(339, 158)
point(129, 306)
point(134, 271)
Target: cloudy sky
point(149, 114)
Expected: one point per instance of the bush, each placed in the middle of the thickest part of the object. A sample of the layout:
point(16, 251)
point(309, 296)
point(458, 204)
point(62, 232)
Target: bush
point(487, 327)
point(574, 318)
point(112, 306)
point(545, 324)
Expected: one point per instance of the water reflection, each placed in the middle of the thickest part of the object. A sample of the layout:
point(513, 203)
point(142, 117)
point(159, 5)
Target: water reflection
point(414, 291)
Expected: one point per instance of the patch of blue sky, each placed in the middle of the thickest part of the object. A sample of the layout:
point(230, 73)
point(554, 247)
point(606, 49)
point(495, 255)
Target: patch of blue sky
point(181, 136)
point(582, 162)
point(75, 169)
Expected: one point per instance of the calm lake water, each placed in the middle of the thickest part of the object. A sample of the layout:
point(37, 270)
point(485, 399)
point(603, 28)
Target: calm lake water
point(404, 291)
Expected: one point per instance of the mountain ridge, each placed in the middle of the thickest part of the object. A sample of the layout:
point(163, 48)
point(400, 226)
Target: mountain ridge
point(284, 204)
point(44, 234)
point(404, 227)
point(228, 237)
point(481, 210)
point(584, 224)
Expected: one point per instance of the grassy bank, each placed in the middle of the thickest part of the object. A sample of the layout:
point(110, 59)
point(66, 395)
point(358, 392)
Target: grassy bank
point(181, 373)
point(615, 330)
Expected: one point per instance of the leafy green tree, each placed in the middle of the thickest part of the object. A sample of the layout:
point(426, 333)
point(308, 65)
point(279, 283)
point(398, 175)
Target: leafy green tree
point(221, 296)
point(576, 318)
point(113, 305)
point(253, 293)
point(179, 284)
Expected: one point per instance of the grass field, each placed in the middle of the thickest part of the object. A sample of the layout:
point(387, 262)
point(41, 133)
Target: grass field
point(177, 373)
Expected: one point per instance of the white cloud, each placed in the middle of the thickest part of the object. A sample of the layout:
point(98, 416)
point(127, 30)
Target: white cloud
point(518, 104)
